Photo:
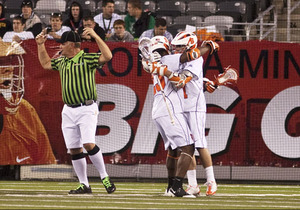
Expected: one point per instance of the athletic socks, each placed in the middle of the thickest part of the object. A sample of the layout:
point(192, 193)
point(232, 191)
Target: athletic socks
point(177, 183)
point(192, 179)
point(98, 162)
point(210, 174)
point(80, 167)
point(170, 182)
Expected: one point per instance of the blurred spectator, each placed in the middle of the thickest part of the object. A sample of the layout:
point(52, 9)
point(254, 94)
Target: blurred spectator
point(137, 21)
point(75, 16)
point(5, 25)
point(56, 29)
point(88, 22)
point(107, 18)
point(32, 21)
point(120, 35)
point(160, 29)
point(18, 34)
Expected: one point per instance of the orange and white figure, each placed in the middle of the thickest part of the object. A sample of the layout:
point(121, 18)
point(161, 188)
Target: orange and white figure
point(23, 138)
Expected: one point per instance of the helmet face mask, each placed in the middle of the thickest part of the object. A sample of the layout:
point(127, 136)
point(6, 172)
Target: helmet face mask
point(184, 41)
point(178, 49)
point(144, 47)
point(11, 82)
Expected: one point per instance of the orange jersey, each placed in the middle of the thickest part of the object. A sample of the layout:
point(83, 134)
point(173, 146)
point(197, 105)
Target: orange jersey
point(23, 138)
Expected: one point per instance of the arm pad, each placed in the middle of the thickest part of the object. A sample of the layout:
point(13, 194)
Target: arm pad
point(214, 46)
point(193, 54)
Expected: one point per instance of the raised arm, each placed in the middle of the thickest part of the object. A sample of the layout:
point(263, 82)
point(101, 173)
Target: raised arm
point(44, 58)
point(207, 46)
point(106, 54)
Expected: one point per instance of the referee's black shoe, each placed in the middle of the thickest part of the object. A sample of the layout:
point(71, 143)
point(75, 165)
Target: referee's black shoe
point(81, 189)
point(109, 185)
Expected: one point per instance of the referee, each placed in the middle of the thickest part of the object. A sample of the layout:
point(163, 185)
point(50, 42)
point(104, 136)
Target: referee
point(79, 116)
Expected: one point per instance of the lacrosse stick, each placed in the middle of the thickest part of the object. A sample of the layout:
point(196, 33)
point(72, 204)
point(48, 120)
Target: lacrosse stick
point(144, 45)
point(229, 76)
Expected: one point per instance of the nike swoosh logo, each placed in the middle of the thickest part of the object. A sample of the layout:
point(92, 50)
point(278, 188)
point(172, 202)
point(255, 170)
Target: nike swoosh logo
point(22, 159)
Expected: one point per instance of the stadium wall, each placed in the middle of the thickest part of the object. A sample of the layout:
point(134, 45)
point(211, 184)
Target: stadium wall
point(252, 127)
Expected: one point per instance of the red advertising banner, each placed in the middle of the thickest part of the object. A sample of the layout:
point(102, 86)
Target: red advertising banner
point(255, 123)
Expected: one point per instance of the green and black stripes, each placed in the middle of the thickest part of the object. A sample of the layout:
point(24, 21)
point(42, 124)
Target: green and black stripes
point(77, 77)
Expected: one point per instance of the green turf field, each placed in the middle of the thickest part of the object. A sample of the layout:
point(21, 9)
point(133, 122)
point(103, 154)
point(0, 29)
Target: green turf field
point(135, 195)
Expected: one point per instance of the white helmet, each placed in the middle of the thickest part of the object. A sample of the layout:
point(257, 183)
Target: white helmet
point(187, 39)
point(159, 42)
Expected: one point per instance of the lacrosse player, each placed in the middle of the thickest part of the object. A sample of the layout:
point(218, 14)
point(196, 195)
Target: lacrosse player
point(185, 44)
point(195, 107)
point(175, 135)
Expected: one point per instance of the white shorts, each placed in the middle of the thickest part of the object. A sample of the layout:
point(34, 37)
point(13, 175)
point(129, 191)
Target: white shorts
point(79, 125)
point(196, 122)
point(177, 135)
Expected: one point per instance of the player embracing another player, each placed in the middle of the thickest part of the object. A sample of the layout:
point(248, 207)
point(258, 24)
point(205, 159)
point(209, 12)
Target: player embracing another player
point(186, 66)
point(167, 114)
point(195, 105)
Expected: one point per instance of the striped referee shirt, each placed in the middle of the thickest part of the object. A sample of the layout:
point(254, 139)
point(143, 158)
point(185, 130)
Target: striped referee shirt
point(77, 77)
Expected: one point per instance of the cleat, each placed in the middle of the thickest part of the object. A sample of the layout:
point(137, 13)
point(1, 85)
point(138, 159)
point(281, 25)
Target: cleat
point(193, 190)
point(168, 193)
point(81, 189)
point(109, 185)
point(181, 193)
point(211, 188)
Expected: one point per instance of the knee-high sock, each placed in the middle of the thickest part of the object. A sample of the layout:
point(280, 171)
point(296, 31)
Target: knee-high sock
point(98, 161)
point(80, 167)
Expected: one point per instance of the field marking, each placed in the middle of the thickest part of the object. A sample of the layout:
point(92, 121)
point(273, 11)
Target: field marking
point(259, 186)
point(93, 190)
point(146, 196)
point(133, 183)
point(113, 196)
point(164, 203)
point(66, 207)
point(159, 191)
point(146, 203)
point(144, 199)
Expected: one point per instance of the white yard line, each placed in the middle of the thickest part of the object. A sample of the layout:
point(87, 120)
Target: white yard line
point(146, 199)
point(65, 207)
point(179, 205)
point(93, 189)
point(158, 201)
point(151, 191)
point(122, 196)
point(260, 186)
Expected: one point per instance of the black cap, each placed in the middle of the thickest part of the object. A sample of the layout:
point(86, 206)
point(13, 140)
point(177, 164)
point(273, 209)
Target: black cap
point(69, 36)
point(27, 3)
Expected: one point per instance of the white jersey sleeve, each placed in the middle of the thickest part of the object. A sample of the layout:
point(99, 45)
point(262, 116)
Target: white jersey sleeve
point(195, 67)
